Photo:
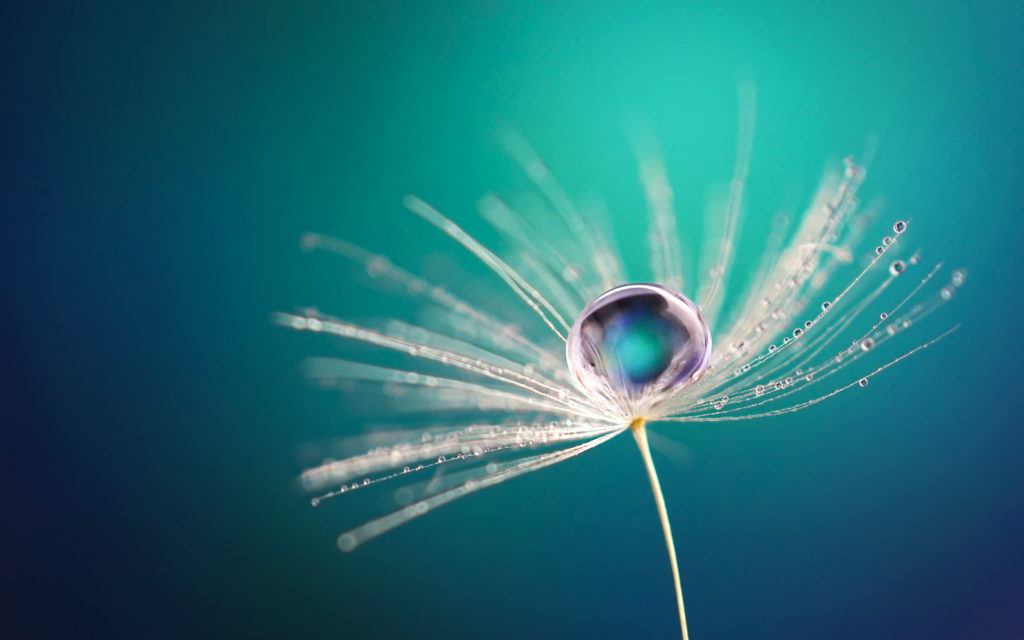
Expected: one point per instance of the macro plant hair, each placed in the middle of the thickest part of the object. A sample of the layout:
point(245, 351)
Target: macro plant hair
point(834, 302)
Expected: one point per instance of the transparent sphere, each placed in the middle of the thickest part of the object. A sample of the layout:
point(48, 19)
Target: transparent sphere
point(638, 338)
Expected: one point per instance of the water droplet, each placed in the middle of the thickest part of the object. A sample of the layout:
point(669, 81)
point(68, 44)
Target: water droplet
point(946, 293)
point(863, 382)
point(867, 344)
point(879, 250)
point(440, 459)
point(825, 305)
point(958, 277)
point(637, 337)
point(897, 267)
point(797, 332)
point(346, 542)
point(899, 226)
point(883, 316)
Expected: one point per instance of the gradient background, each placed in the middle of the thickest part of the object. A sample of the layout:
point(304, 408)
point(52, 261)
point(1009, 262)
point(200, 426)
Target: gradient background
point(161, 162)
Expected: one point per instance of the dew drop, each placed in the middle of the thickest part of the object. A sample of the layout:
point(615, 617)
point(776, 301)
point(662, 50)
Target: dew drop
point(863, 382)
point(899, 226)
point(958, 277)
point(897, 267)
point(638, 337)
point(946, 293)
point(346, 542)
point(867, 344)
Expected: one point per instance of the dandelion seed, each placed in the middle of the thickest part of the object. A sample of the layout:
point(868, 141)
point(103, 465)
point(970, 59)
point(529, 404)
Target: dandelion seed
point(635, 353)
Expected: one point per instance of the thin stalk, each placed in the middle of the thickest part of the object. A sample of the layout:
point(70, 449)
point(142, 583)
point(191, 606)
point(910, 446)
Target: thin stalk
point(640, 434)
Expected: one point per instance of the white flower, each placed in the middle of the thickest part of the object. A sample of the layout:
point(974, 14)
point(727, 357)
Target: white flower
point(808, 327)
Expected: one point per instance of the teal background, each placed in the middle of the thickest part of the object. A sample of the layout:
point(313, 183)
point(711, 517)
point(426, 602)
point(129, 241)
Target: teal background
point(161, 162)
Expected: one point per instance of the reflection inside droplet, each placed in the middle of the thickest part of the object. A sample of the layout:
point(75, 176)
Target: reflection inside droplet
point(638, 338)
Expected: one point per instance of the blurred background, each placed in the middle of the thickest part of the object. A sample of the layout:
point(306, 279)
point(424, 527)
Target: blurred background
point(162, 161)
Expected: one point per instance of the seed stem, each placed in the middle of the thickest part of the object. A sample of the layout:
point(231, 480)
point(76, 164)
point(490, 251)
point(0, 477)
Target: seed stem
point(640, 434)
